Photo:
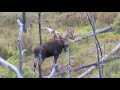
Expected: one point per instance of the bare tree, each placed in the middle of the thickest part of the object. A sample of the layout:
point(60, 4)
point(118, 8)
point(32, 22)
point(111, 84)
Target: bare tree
point(20, 45)
point(24, 22)
point(40, 55)
point(92, 22)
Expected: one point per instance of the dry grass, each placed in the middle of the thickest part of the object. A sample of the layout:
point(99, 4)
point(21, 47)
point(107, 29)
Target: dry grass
point(84, 51)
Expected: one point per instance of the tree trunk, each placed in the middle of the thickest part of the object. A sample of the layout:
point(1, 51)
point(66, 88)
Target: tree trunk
point(20, 45)
point(24, 22)
point(40, 54)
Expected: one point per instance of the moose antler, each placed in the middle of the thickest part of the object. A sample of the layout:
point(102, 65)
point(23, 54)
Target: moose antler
point(70, 33)
point(56, 35)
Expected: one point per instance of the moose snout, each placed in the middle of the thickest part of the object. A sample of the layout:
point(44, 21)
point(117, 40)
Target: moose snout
point(66, 47)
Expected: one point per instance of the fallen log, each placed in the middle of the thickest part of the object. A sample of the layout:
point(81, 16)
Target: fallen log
point(104, 30)
point(12, 67)
point(101, 60)
point(87, 66)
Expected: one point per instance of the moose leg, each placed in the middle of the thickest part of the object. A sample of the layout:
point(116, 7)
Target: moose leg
point(35, 64)
point(55, 65)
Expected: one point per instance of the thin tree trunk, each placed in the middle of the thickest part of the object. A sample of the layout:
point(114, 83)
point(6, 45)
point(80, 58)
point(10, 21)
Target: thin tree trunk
point(20, 45)
point(24, 22)
point(69, 64)
point(92, 22)
point(88, 65)
point(105, 57)
point(40, 55)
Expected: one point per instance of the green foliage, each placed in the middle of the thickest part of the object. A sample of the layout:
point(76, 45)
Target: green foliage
point(116, 25)
point(83, 51)
point(112, 70)
point(71, 19)
point(106, 17)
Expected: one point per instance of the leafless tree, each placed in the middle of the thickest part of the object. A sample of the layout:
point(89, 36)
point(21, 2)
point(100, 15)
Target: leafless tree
point(20, 45)
point(24, 22)
point(40, 55)
point(92, 22)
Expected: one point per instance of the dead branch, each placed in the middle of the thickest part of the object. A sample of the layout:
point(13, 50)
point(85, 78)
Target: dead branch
point(104, 30)
point(53, 71)
point(12, 67)
point(102, 60)
point(88, 65)
point(20, 45)
point(87, 72)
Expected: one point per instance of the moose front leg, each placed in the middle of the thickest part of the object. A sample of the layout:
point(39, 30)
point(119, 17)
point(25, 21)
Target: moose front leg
point(55, 65)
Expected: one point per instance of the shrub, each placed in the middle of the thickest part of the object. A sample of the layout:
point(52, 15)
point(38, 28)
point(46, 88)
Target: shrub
point(112, 69)
point(106, 17)
point(71, 19)
point(116, 25)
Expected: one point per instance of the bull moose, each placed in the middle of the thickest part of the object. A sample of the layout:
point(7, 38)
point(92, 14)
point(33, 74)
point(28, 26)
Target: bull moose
point(52, 48)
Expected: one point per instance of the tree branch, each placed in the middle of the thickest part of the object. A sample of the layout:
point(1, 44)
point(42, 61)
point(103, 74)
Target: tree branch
point(87, 66)
point(12, 67)
point(103, 59)
point(104, 30)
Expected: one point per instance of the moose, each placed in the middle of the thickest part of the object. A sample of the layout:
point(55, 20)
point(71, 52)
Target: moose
point(53, 47)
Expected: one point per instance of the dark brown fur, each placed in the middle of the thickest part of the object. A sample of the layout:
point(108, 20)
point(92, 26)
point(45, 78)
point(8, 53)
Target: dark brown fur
point(52, 48)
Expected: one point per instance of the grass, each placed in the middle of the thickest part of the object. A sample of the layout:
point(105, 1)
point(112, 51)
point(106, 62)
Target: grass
point(83, 51)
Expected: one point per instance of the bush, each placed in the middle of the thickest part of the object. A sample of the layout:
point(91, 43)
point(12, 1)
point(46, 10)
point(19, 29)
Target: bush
point(112, 70)
point(71, 19)
point(116, 25)
point(106, 17)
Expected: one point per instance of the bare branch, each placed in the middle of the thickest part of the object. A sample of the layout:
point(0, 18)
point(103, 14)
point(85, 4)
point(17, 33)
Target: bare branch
point(20, 45)
point(104, 30)
point(12, 67)
point(104, 58)
point(87, 72)
point(69, 63)
point(87, 66)
point(53, 71)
